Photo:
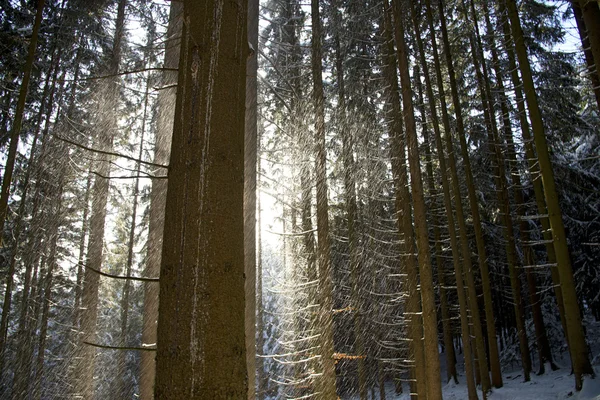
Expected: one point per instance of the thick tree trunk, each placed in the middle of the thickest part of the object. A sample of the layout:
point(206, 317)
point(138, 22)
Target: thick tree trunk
point(577, 343)
point(327, 381)
point(202, 296)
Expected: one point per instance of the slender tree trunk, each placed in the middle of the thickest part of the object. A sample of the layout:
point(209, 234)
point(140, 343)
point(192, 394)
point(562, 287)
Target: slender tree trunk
point(202, 296)
point(164, 127)
point(483, 81)
point(460, 217)
point(17, 123)
point(262, 378)
point(32, 166)
point(106, 126)
point(432, 371)
point(250, 160)
point(351, 215)
point(412, 311)
point(327, 384)
point(123, 389)
point(543, 345)
point(451, 367)
point(577, 343)
point(534, 171)
point(593, 70)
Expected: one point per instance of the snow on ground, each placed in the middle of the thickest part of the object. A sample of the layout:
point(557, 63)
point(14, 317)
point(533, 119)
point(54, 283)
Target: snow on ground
point(553, 385)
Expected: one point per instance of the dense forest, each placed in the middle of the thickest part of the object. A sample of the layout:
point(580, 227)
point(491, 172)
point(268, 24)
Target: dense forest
point(286, 199)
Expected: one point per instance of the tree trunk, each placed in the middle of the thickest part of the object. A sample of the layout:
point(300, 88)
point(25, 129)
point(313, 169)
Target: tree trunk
point(164, 128)
point(543, 345)
point(250, 160)
point(17, 122)
point(577, 343)
point(202, 296)
point(106, 125)
point(534, 171)
point(432, 371)
point(482, 255)
point(327, 381)
point(483, 81)
point(593, 71)
point(351, 215)
point(412, 311)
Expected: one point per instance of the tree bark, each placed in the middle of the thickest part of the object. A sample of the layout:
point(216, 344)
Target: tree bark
point(577, 344)
point(432, 370)
point(412, 309)
point(482, 255)
point(18, 121)
point(164, 128)
point(327, 381)
point(202, 296)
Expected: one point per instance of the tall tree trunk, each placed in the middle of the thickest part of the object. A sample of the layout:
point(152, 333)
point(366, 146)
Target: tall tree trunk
point(483, 81)
point(123, 389)
point(32, 168)
point(15, 131)
point(106, 126)
point(9, 167)
point(577, 343)
point(351, 215)
point(543, 344)
point(250, 160)
point(534, 170)
point(451, 367)
point(327, 384)
point(164, 128)
point(202, 296)
point(592, 64)
point(412, 311)
point(460, 217)
point(432, 371)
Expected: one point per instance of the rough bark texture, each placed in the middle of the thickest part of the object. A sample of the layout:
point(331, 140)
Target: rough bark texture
point(250, 156)
point(201, 345)
point(577, 344)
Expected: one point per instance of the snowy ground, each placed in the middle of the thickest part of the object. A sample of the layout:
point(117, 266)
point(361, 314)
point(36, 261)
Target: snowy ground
point(550, 386)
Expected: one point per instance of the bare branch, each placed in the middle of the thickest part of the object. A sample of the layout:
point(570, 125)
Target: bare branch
point(132, 278)
point(102, 346)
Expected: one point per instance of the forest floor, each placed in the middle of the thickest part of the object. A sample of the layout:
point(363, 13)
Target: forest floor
point(553, 385)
